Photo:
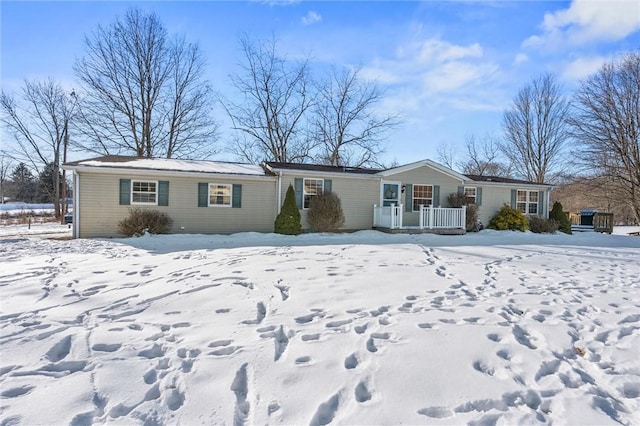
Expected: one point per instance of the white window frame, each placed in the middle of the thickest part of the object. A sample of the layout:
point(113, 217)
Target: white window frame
point(527, 203)
point(144, 203)
point(227, 185)
point(414, 198)
point(475, 193)
point(305, 194)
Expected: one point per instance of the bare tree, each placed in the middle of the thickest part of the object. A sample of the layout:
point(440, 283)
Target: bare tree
point(6, 164)
point(39, 122)
point(483, 157)
point(536, 129)
point(346, 128)
point(606, 120)
point(275, 97)
point(144, 92)
point(446, 154)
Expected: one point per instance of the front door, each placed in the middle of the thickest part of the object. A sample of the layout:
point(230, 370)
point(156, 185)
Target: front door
point(390, 193)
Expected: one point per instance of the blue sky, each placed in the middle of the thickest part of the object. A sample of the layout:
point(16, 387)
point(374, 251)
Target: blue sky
point(449, 69)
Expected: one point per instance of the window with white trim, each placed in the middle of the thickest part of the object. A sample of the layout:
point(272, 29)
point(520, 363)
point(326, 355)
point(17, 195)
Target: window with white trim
point(220, 194)
point(527, 201)
point(311, 188)
point(422, 194)
point(144, 192)
point(471, 193)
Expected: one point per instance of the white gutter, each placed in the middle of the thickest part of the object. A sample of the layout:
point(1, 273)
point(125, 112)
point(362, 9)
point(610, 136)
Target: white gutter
point(130, 171)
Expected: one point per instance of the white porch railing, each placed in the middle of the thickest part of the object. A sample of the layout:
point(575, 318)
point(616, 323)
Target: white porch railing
point(442, 217)
point(387, 216)
point(429, 217)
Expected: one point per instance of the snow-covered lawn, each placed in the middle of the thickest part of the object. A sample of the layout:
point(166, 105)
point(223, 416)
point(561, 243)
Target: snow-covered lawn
point(363, 328)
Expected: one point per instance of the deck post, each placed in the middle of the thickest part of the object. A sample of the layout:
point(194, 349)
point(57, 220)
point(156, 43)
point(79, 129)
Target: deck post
point(421, 217)
point(431, 214)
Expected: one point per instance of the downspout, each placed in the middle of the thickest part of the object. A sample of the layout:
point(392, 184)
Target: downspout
point(76, 204)
point(548, 202)
point(279, 198)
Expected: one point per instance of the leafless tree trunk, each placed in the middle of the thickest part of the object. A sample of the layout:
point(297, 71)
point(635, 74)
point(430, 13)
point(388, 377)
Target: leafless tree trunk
point(606, 121)
point(38, 124)
point(346, 129)
point(144, 92)
point(275, 98)
point(6, 165)
point(446, 154)
point(536, 129)
point(483, 157)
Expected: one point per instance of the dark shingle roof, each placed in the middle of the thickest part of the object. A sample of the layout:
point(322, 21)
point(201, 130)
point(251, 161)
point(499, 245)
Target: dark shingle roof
point(499, 179)
point(320, 168)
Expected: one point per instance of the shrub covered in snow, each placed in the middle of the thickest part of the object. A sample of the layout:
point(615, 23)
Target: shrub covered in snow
point(141, 220)
point(325, 212)
point(509, 218)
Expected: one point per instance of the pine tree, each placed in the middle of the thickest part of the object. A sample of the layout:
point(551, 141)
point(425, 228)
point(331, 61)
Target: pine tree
point(558, 214)
point(23, 185)
point(288, 220)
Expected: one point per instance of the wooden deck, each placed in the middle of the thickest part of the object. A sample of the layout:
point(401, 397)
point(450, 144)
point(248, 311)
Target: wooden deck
point(598, 222)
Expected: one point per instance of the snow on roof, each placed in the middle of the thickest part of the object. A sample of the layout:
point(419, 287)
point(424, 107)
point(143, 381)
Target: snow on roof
point(173, 165)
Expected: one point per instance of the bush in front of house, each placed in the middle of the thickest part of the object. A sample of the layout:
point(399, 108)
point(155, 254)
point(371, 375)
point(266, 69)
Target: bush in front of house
point(509, 218)
point(288, 220)
point(540, 225)
point(141, 220)
point(325, 213)
point(458, 199)
point(557, 213)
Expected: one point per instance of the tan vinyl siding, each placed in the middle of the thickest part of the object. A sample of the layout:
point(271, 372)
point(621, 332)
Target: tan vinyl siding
point(424, 175)
point(100, 211)
point(357, 195)
point(494, 197)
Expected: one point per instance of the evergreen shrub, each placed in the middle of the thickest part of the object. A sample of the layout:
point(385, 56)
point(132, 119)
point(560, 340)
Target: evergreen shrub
point(509, 218)
point(288, 220)
point(558, 214)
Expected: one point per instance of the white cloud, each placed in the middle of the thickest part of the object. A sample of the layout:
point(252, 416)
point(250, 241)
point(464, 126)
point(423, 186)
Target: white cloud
point(311, 18)
point(582, 68)
point(587, 21)
point(520, 58)
point(433, 72)
point(436, 50)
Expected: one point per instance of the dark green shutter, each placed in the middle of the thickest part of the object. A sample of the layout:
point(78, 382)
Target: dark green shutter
point(461, 190)
point(125, 192)
point(236, 197)
point(478, 196)
point(541, 203)
point(163, 193)
point(203, 194)
point(297, 187)
point(436, 195)
point(514, 194)
point(408, 197)
point(327, 185)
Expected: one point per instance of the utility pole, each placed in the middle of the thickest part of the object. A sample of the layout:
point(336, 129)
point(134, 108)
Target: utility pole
point(65, 142)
